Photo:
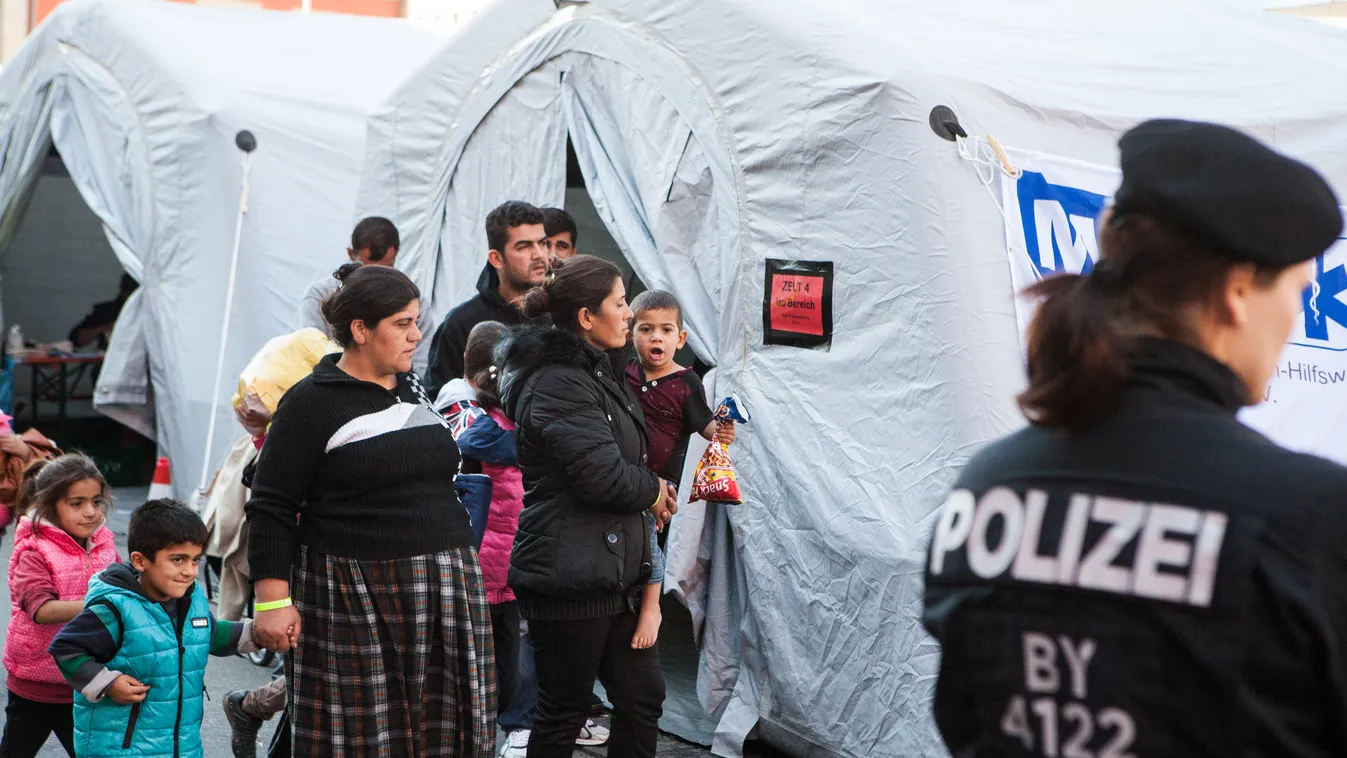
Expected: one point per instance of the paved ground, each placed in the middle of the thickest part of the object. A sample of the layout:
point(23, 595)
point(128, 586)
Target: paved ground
point(226, 674)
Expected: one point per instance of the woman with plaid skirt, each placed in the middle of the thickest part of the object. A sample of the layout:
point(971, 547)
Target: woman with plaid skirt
point(363, 561)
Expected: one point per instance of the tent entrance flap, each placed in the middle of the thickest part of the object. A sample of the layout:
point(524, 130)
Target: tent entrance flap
point(59, 281)
point(645, 176)
point(74, 103)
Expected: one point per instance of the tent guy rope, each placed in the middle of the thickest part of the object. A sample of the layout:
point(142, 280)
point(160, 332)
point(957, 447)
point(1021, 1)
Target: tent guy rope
point(987, 157)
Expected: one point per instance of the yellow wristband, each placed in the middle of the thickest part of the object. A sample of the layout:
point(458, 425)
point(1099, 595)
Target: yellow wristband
point(272, 606)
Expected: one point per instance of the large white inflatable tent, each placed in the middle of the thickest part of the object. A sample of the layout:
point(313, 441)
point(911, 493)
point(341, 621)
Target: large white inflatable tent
point(143, 100)
point(714, 135)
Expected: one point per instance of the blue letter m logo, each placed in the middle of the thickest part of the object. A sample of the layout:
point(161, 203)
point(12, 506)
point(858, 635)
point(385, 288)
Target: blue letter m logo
point(1059, 225)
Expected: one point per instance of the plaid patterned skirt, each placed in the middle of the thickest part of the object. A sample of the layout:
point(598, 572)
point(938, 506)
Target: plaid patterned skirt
point(395, 658)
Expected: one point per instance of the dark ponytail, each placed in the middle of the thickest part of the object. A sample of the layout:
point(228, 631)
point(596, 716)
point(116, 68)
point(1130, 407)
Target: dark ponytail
point(1151, 280)
point(480, 364)
point(23, 502)
point(582, 281)
point(537, 305)
point(1077, 354)
point(369, 294)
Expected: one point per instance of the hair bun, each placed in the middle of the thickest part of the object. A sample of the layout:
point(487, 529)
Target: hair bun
point(346, 270)
point(537, 303)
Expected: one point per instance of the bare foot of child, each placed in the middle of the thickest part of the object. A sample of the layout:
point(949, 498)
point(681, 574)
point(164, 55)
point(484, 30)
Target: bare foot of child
point(647, 628)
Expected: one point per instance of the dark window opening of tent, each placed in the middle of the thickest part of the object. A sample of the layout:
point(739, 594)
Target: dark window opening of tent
point(61, 290)
point(595, 239)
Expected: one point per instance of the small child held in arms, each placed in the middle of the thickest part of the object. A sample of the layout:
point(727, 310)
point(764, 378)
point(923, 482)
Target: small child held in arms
point(61, 542)
point(136, 655)
point(675, 408)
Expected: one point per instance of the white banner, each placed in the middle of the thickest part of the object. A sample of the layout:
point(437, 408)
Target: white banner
point(1050, 214)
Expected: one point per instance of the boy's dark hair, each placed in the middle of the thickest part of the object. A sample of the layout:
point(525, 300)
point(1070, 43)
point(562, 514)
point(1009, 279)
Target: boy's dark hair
point(506, 216)
point(479, 361)
point(376, 234)
point(556, 221)
point(657, 300)
point(369, 294)
point(163, 523)
point(45, 483)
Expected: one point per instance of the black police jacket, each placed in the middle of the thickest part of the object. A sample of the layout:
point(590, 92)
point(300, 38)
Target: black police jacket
point(582, 549)
point(1169, 583)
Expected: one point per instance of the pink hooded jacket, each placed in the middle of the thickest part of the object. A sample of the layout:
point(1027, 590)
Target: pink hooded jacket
point(70, 566)
point(507, 500)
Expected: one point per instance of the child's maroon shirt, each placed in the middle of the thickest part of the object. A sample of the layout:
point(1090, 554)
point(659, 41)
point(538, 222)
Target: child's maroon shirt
point(675, 409)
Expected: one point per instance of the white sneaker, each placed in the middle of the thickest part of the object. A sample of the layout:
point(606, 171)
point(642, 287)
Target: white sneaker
point(516, 744)
point(592, 734)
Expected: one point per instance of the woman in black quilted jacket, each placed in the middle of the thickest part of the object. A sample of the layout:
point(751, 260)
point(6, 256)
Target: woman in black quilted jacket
point(581, 555)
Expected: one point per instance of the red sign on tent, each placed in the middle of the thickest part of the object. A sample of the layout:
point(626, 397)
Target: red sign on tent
point(797, 303)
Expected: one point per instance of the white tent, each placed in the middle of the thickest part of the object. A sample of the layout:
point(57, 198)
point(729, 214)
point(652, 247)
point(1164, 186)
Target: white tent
point(716, 134)
point(143, 101)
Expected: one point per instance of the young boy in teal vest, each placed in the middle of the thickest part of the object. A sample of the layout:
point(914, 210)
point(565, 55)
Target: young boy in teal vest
point(136, 655)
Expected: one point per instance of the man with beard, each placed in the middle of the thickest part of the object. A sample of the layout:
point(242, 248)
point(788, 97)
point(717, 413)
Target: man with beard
point(516, 263)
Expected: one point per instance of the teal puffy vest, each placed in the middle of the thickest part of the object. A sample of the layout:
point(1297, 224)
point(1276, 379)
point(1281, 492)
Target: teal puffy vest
point(168, 722)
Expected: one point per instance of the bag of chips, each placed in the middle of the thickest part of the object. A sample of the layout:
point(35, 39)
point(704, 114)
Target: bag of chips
point(715, 480)
point(277, 367)
point(730, 413)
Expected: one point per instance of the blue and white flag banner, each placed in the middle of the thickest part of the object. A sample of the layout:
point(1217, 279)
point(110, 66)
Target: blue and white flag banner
point(1050, 212)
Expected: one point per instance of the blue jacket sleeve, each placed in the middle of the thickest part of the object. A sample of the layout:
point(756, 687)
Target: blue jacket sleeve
point(474, 491)
point(486, 441)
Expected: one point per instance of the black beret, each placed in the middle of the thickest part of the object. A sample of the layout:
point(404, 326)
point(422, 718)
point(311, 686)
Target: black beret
point(1250, 203)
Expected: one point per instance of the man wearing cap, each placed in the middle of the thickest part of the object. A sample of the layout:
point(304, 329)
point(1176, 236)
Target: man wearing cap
point(1136, 573)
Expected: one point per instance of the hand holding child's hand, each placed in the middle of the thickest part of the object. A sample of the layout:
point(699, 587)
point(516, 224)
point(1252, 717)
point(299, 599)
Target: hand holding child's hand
point(127, 690)
point(277, 629)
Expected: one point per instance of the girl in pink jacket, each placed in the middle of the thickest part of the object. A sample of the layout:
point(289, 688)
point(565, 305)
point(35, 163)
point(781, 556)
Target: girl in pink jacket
point(59, 545)
point(486, 440)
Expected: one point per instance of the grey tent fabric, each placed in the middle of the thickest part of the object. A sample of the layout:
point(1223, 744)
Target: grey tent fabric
point(143, 100)
point(501, 161)
point(624, 133)
point(809, 141)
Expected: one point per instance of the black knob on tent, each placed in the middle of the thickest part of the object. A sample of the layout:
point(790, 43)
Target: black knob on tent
point(246, 141)
point(945, 124)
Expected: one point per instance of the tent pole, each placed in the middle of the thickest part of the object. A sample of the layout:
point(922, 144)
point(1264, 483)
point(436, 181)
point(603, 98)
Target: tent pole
point(247, 146)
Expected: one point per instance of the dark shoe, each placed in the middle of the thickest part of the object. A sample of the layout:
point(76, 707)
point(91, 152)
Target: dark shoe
point(244, 725)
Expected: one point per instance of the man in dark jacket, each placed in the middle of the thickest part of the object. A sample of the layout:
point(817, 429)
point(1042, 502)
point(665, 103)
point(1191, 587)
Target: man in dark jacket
point(516, 264)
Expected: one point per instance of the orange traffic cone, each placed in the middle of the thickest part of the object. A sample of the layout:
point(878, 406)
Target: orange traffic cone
point(162, 486)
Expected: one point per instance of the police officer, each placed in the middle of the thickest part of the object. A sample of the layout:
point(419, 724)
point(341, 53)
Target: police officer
point(1137, 574)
